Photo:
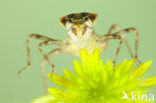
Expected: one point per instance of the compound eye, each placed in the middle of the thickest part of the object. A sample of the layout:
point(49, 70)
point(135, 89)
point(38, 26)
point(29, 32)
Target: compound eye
point(74, 30)
point(84, 29)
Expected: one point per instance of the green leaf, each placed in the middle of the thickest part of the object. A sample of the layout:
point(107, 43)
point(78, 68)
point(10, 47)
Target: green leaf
point(128, 66)
point(45, 99)
point(149, 82)
point(69, 76)
point(109, 68)
point(59, 80)
point(95, 56)
point(83, 55)
point(57, 93)
point(140, 70)
point(78, 69)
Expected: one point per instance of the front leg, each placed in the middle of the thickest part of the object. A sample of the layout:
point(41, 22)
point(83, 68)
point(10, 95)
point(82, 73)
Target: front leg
point(35, 36)
point(45, 43)
point(51, 53)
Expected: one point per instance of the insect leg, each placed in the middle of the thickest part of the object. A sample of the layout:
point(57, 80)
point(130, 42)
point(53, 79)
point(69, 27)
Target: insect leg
point(106, 38)
point(36, 36)
point(53, 52)
point(45, 43)
point(115, 26)
point(117, 53)
point(127, 30)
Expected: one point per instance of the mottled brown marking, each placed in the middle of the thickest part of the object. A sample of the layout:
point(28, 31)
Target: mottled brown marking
point(70, 16)
point(127, 30)
point(84, 29)
point(85, 14)
point(74, 30)
point(63, 20)
point(93, 17)
point(78, 18)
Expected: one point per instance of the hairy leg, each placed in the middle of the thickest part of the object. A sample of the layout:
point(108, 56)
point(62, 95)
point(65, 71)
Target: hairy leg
point(45, 43)
point(53, 52)
point(36, 36)
point(114, 27)
point(117, 53)
point(122, 33)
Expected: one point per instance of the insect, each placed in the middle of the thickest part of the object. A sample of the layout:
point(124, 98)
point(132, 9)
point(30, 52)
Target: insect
point(80, 34)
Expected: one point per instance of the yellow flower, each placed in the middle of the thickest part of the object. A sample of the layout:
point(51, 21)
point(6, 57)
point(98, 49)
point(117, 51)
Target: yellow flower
point(94, 82)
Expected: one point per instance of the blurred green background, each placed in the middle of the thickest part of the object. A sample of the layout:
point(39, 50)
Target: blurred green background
point(18, 18)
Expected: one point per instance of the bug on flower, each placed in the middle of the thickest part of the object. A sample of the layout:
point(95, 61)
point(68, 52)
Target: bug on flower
point(81, 35)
